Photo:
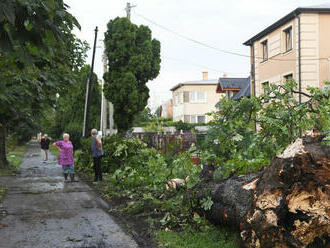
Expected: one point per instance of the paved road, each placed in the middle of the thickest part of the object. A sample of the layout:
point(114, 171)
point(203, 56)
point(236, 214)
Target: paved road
point(42, 211)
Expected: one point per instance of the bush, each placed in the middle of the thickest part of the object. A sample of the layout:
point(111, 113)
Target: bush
point(117, 152)
point(236, 147)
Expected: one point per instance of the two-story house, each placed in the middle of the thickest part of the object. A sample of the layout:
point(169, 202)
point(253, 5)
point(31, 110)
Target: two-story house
point(192, 100)
point(296, 46)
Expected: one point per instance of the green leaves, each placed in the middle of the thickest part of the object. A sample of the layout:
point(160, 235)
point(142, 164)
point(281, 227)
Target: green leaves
point(207, 203)
point(279, 119)
point(133, 59)
point(39, 58)
point(24, 23)
point(28, 26)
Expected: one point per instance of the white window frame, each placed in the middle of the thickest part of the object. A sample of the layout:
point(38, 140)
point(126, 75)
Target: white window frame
point(193, 117)
point(178, 98)
point(263, 84)
point(286, 76)
point(181, 98)
point(201, 116)
point(285, 32)
point(193, 97)
point(262, 43)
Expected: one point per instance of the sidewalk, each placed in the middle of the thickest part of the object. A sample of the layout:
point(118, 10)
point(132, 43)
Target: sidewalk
point(41, 211)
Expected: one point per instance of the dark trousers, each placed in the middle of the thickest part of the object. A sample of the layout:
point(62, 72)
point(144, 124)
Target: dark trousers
point(97, 169)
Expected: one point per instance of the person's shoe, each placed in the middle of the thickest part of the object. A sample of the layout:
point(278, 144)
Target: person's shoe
point(72, 177)
point(65, 177)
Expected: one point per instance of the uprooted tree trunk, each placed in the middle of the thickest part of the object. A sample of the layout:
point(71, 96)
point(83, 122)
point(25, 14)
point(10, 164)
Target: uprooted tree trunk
point(285, 205)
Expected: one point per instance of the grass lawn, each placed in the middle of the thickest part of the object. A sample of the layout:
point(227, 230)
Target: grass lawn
point(15, 158)
point(2, 191)
point(213, 238)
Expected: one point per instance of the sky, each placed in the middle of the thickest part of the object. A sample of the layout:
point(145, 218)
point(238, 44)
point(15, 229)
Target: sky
point(222, 24)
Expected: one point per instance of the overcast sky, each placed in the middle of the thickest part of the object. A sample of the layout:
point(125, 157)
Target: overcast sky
point(224, 24)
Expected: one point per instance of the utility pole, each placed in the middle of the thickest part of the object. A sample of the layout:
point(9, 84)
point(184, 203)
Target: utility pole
point(89, 91)
point(128, 9)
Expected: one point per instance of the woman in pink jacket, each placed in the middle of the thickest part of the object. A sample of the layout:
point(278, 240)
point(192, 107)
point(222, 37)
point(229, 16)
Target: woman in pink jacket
point(65, 158)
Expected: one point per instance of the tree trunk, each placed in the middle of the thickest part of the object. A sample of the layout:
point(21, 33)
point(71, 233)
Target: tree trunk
point(285, 205)
point(3, 157)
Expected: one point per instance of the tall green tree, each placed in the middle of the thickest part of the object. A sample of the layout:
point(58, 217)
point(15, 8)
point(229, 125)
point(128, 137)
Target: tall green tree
point(38, 56)
point(133, 59)
point(68, 113)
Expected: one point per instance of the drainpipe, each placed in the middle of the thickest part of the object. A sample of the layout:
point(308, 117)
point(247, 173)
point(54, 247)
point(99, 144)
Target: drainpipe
point(299, 57)
point(253, 70)
point(253, 78)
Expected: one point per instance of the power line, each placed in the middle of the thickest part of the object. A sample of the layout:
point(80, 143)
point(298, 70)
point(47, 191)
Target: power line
point(212, 47)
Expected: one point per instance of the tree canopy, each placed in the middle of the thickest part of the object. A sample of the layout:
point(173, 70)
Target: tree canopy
point(67, 115)
point(38, 57)
point(133, 59)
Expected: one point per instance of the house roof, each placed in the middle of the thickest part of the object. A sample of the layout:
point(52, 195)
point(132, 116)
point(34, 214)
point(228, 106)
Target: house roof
point(225, 84)
point(197, 82)
point(246, 91)
point(323, 8)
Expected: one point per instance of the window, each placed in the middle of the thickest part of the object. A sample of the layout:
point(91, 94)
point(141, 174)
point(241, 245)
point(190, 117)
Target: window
point(288, 39)
point(201, 96)
point(197, 96)
point(264, 45)
point(264, 86)
point(288, 77)
point(186, 118)
point(231, 93)
point(201, 119)
point(178, 98)
point(197, 119)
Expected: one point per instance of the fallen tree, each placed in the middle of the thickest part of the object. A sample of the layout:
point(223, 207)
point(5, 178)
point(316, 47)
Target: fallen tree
point(285, 205)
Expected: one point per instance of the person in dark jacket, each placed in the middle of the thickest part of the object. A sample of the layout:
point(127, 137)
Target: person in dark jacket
point(44, 144)
point(97, 154)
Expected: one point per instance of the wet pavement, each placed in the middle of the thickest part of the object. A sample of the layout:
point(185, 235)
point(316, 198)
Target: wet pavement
point(41, 211)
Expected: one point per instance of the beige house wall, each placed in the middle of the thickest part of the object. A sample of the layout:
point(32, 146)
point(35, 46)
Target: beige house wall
point(310, 40)
point(280, 62)
point(315, 53)
point(182, 109)
point(324, 51)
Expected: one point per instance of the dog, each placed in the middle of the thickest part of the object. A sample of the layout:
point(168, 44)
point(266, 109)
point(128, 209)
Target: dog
point(176, 183)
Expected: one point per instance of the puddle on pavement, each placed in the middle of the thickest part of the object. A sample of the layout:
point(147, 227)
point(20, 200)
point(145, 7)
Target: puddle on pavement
point(44, 187)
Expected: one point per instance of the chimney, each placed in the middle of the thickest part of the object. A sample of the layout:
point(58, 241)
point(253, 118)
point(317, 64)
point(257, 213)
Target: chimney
point(205, 75)
point(224, 75)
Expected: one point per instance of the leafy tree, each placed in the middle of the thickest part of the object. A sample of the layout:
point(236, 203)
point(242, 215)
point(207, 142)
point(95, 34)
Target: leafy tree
point(282, 118)
point(39, 55)
point(133, 60)
point(68, 113)
point(143, 117)
point(235, 145)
